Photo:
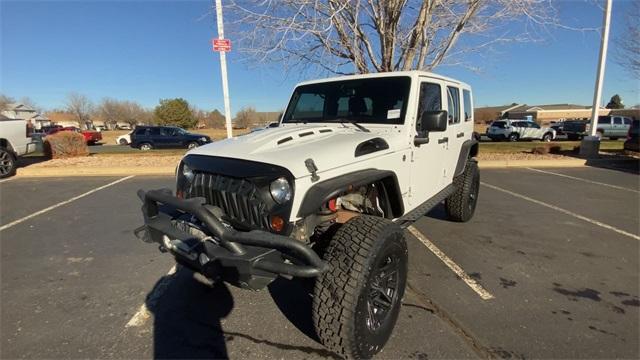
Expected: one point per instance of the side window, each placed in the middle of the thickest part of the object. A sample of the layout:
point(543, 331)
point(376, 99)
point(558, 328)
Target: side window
point(153, 131)
point(617, 120)
point(468, 107)
point(430, 99)
point(627, 121)
point(141, 131)
point(453, 98)
point(604, 120)
point(534, 125)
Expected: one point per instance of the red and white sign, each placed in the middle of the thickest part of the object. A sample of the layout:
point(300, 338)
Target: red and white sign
point(221, 45)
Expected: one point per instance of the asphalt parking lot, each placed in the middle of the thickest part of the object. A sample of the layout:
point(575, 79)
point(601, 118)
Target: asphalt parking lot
point(548, 268)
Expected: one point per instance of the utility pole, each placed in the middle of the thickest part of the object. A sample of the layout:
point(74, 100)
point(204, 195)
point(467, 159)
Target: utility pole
point(223, 69)
point(590, 146)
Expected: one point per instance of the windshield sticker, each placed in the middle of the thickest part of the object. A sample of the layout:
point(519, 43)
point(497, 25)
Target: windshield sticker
point(393, 114)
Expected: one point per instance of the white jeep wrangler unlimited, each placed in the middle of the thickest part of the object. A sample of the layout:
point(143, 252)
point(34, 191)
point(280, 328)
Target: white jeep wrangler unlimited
point(326, 195)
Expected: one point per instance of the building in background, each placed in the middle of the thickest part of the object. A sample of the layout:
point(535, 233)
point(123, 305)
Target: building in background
point(19, 111)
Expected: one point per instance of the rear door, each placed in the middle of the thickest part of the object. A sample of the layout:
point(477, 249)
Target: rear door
point(455, 134)
point(618, 128)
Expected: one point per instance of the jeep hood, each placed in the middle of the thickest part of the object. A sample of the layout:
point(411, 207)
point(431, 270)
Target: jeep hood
point(330, 146)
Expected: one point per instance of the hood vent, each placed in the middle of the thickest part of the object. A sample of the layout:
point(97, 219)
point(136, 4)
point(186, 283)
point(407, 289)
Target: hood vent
point(282, 141)
point(303, 134)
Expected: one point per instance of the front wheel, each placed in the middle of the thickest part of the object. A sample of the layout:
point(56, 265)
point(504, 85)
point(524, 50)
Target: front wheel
point(7, 163)
point(146, 146)
point(192, 145)
point(357, 301)
point(514, 137)
point(123, 142)
point(547, 137)
point(461, 205)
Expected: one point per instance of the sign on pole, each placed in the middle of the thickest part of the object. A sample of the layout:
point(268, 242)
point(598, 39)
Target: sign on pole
point(223, 45)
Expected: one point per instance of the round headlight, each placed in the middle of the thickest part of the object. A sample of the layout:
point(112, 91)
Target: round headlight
point(280, 190)
point(187, 172)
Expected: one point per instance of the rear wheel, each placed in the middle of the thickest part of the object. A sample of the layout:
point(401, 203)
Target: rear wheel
point(122, 142)
point(514, 137)
point(145, 146)
point(192, 145)
point(7, 163)
point(461, 205)
point(547, 137)
point(357, 301)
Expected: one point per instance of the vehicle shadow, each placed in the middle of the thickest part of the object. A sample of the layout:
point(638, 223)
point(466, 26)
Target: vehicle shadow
point(293, 298)
point(187, 317)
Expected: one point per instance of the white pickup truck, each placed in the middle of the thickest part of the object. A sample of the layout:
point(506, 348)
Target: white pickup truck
point(15, 141)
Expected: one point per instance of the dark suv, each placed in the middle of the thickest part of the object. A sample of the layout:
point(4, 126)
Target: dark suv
point(149, 137)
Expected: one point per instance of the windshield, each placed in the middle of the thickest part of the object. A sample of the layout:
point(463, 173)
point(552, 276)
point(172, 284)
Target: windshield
point(498, 124)
point(376, 101)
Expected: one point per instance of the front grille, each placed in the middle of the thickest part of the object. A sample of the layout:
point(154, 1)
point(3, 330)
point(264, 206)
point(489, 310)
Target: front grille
point(238, 198)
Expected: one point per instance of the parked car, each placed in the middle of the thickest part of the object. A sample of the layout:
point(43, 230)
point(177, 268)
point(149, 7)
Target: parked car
point(633, 137)
point(514, 130)
point(90, 136)
point(325, 196)
point(610, 126)
point(124, 139)
point(150, 137)
point(15, 141)
point(558, 126)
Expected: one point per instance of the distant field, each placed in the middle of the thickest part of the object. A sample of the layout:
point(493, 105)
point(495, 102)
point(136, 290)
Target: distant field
point(109, 137)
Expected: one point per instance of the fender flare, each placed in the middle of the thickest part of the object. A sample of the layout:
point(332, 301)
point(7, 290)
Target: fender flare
point(323, 191)
point(469, 149)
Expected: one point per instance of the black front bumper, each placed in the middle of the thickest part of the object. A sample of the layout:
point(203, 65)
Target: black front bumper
point(250, 259)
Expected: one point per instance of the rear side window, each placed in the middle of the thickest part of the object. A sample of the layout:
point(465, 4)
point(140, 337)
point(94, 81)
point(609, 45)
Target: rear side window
point(468, 107)
point(453, 98)
point(154, 131)
point(617, 121)
point(604, 120)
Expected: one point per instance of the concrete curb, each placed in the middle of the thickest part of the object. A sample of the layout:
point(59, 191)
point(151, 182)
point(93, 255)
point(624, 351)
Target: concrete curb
point(560, 163)
point(170, 170)
point(79, 171)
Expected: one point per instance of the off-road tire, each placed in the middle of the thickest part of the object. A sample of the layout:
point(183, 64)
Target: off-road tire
point(7, 163)
point(344, 294)
point(461, 205)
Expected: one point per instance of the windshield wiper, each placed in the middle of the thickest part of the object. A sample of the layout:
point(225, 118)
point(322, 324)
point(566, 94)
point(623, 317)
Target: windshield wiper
point(345, 120)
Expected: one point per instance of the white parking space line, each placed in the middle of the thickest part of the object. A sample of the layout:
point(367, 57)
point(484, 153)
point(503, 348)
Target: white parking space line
point(564, 211)
point(5, 180)
point(484, 294)
point(37, 213)
point(143, 313)
point(584, 180)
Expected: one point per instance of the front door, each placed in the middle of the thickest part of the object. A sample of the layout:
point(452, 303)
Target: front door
point(427, 160)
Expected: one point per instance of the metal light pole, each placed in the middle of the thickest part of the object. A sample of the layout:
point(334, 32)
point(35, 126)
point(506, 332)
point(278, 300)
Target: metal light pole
point(223, 70)
point(590, 146)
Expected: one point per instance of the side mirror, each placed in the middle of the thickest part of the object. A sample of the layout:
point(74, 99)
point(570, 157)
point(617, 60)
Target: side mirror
point(433, 121)
point(430, 121)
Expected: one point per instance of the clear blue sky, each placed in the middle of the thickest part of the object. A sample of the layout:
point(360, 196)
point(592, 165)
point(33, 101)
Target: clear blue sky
point(147, 50)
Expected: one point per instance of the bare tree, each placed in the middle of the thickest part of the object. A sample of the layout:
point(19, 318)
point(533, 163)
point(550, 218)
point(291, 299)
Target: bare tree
point(245, 118)
point(81, 107)
point(5, 101)
point(134, 113)
point(361, 36)
point(111, 111)
point(627, 52)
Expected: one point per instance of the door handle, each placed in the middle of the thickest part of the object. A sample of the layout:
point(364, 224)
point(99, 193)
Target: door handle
point(460, 135)
point(443, 140)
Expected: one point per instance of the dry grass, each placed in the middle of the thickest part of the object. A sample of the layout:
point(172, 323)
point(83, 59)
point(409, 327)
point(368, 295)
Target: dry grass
point(109, 137)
